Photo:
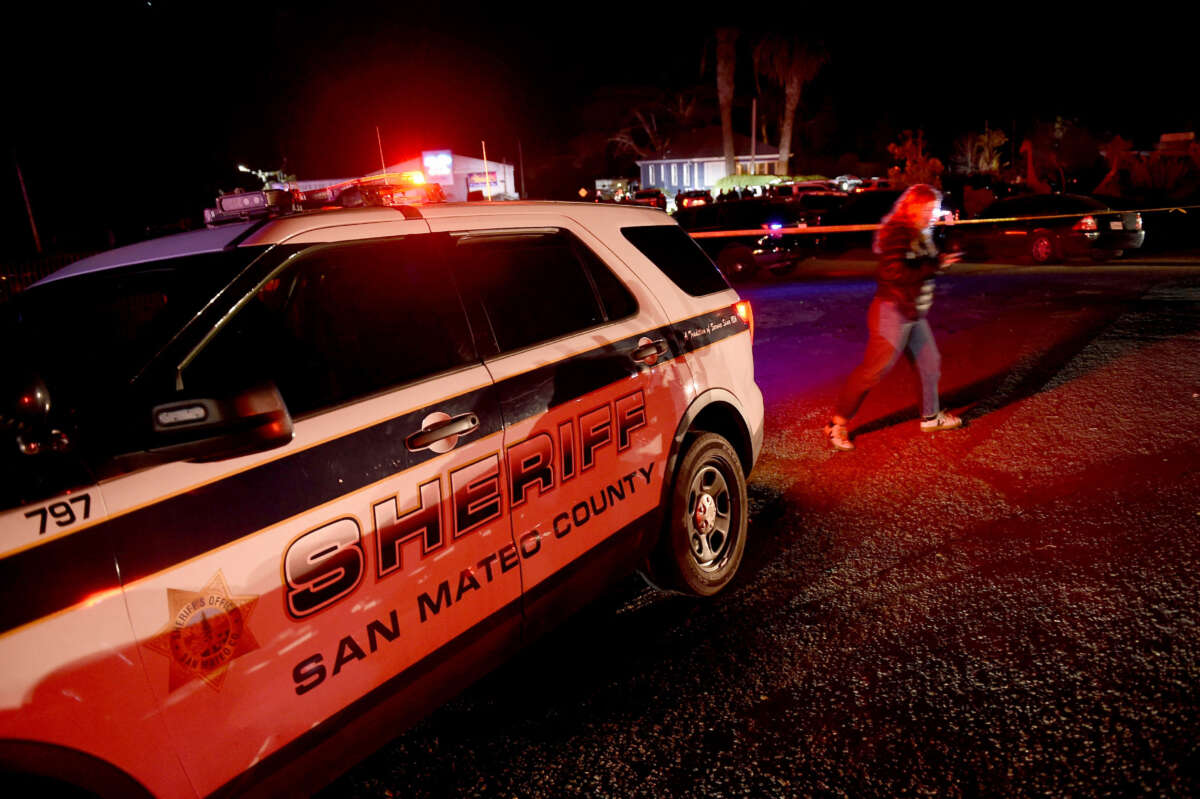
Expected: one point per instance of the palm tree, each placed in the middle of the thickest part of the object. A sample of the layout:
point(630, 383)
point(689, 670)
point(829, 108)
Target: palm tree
point(726, 60)
point(790, 63)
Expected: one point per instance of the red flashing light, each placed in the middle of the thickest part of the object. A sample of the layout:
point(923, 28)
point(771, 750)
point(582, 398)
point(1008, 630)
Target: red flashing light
point(1088, 223)
point(746, 314)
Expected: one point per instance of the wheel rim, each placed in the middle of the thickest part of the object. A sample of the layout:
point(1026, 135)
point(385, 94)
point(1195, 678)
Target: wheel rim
point(1042, 249)
point(710, 518)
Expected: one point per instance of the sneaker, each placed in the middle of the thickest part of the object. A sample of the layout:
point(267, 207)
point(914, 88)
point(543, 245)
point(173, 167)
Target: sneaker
point(838, 437)
point(943, 421)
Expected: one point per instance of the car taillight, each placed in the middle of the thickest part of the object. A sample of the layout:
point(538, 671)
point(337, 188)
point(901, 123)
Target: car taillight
point(1137, 221)
point(746, 314)
point(1087, 223)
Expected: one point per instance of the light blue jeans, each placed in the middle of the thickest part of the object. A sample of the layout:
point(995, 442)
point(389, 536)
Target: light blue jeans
point(890, 332)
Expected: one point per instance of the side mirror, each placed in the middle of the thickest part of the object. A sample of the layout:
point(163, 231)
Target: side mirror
point(209, 429)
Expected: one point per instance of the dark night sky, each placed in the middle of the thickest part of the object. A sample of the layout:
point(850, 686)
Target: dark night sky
point(135, 113)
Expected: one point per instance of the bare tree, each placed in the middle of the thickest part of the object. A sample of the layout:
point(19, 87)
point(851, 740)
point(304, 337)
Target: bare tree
point(651, 121)
point(790, 63)
point(726, 61)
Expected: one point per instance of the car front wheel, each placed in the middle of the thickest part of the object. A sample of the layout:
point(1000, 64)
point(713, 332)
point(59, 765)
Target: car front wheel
point(705, 534)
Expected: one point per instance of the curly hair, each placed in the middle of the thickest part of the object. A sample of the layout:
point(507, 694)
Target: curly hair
point(904, 209)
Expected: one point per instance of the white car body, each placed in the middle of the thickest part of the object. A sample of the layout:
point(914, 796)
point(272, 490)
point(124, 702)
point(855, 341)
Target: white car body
point(203, 624)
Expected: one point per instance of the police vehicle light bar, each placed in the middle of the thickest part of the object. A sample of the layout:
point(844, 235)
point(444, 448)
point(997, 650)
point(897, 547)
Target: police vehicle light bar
point(248, 205)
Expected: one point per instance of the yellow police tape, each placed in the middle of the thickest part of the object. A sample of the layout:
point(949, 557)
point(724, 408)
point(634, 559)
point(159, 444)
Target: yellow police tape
point(807, 229)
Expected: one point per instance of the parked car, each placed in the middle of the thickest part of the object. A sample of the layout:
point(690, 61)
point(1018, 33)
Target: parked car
point(274, 489)
point(1047, 228)
point(652, 197)
point(874, 184)
point(741, 257)
point(792, 189)
point(869, 208)
point(866, 208)
point(693, 197)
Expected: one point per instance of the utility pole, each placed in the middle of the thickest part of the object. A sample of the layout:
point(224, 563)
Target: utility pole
point(37, 240)
point(487, 181)
point(521, 164)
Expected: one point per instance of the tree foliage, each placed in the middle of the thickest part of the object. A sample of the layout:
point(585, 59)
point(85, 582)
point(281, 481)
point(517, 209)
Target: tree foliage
point(980, 153)
point(914, 165)
point(790, 63)
point(1171, 175)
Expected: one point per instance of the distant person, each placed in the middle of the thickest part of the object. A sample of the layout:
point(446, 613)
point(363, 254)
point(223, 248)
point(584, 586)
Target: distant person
point(908, 260)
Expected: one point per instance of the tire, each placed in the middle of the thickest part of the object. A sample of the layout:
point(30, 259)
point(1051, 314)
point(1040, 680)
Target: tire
point(737, 262)
point(705, 534)
point(1043, 249)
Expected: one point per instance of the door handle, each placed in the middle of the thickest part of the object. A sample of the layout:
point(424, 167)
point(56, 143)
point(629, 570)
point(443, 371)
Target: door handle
point(649, 351)
point(439, 431)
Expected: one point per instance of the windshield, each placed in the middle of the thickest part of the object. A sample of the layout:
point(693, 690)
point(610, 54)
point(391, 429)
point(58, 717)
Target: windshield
point(90, 335)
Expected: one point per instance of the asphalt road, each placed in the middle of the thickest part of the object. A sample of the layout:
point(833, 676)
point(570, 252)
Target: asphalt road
point(1010, 609)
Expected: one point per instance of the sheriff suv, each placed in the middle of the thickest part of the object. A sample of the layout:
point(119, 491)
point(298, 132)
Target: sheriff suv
point(274, 489)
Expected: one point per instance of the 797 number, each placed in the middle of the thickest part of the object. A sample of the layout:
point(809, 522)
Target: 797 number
point(62, 512)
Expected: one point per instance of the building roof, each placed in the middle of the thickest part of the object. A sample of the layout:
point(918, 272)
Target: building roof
point(706, 143)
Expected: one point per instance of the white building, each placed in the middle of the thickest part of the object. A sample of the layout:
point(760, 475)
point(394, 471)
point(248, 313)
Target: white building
point(458, 175)
point(696, 160)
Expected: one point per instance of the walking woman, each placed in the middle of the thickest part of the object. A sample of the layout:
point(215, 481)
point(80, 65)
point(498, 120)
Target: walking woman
point(896, 321)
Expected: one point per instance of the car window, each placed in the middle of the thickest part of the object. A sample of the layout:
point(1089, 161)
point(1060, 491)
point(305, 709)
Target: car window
point(1079, 203)
point(676, 253)
point(1050, 204)
point(342, 322)
point(615, 300)
point(128, 315)
point(535, 285)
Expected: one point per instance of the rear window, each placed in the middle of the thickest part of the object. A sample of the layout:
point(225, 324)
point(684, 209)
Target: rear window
point(1080, 203)
point(673, 251)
